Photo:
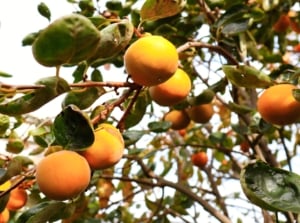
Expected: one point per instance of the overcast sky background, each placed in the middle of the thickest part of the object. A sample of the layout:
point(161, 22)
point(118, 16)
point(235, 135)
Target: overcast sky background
point(17, 19)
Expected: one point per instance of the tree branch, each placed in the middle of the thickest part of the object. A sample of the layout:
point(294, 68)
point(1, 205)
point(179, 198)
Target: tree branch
point(217, 49)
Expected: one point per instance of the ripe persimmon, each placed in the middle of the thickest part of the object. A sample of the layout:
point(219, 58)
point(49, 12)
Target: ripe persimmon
point(278, 106)
point(282, 24)
point(107, 148)
point(173, 90)
point(199, 159)
point(17, 199)
point(151, 60)
point(200, 113)
point(63, 175)
point(178, 118)
point(4, 216)
point(244, 146)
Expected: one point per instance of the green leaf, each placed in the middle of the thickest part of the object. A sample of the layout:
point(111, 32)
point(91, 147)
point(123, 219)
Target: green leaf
point(96, 75)
point(236, 27)
point(4, 123)
point(158, 9)
point(246, 76)
point(29, 39)
point(4, 74)
point(114, 5)
point(79, 72)
point(44, 10)
point(46, 212)
point(114, 38)
point(15, 167)
point(52, 87)
point(72, 129)
point(68, 40)
point(138, 110)
point(159, 126)
point(296, 94)
point(132, 136)
point(151, 205)
point(271, 188)
point(239, 109)
point(42, 136)
point(83, 97)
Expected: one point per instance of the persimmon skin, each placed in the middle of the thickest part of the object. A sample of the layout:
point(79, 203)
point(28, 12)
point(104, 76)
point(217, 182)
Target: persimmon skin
point(278, 106)
point(151, 60)
point(200, 159)
point(63, 175)
point(201, 113)
point(282, 24)
point(107, 149)
point(4, 216)
point(244, 146)
point(178, 118)
point(173, 90)
point(17, 199)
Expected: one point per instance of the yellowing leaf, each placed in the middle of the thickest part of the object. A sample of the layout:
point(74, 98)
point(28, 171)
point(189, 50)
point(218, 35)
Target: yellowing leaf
point(158, 9)
point(246, 76)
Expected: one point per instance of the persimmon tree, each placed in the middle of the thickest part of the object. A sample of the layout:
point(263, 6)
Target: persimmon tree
point(231, 50)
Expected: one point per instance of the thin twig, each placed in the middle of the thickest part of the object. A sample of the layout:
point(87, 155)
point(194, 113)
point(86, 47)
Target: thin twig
point(121, 124)
point(214, 48)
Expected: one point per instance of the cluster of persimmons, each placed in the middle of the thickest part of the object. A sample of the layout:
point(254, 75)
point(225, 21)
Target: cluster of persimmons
point(16, 199)
point(152, 62)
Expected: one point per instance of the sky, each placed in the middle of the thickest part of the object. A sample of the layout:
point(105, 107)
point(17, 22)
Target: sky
point(17, 19)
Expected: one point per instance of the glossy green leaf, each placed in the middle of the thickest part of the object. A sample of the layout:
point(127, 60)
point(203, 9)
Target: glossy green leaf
point(72, 129)
point(44, 10)
point(83, 98)
point(42, 136)
point(53, 87)
point(46, 212)
point(114, 38)
point(271, 188)
point(246, 76)
point(15, 167)
point(158, 9)
point(79, 72)
point(159, 126)
point(68, 40)
point(138, 110)
point(96, 75)
point(132, 136)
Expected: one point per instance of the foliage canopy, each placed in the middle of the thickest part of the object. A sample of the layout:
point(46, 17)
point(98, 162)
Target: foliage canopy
point(231, 50)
